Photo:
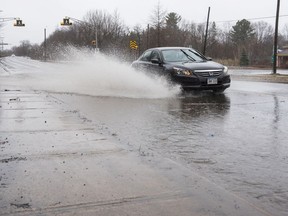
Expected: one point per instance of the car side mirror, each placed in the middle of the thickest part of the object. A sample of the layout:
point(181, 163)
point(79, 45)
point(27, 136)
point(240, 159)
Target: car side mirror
point(209, 58)
point(155, 61)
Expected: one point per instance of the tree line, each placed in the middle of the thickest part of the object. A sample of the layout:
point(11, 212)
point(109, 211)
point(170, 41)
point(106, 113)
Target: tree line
point(244, 43)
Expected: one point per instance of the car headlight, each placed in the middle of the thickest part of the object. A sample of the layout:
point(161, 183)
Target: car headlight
point(225, 70)
point(183, 72)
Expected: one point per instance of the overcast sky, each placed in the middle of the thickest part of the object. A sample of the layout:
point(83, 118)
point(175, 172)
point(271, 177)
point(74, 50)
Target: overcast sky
point(40, 14)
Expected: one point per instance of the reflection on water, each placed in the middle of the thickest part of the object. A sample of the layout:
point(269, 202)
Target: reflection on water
point(200, 105)
point(276, 111)
point(186, 124)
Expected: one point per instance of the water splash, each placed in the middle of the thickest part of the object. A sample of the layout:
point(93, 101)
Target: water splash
point(89, 73)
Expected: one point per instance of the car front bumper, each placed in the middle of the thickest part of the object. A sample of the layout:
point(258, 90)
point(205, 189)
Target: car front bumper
point(201, 83)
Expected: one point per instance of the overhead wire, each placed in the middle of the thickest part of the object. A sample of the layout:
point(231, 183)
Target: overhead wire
point(250, 19)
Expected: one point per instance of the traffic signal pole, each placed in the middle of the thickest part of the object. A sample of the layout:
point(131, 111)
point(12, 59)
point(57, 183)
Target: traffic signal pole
point(18, 23)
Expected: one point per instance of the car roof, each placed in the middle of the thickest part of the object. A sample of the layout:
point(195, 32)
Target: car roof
point(168, 48)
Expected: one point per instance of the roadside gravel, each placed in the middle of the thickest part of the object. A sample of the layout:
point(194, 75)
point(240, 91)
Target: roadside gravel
point(274, 78)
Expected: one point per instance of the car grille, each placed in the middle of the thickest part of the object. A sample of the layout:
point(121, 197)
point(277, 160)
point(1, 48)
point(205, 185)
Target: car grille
point(208, 73)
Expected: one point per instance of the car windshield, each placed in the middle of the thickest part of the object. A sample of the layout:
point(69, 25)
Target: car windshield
point(181, 55)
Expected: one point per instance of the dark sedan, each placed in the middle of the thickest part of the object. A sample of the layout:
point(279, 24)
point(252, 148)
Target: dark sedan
point(185, 66)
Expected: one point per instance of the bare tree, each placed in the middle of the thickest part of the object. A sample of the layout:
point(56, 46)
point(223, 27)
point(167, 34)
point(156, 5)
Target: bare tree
point(193, 34)
point(262, 46)
point(263, 31)
point(285, 32)
point(24, 48)
point(107, 28)
point(157, 20)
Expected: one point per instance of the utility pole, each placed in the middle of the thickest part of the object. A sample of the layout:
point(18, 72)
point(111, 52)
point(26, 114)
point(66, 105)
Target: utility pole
point(206, 33)
point(96, 39)
point(45, 45)
point(148, 33)
point(276, 39)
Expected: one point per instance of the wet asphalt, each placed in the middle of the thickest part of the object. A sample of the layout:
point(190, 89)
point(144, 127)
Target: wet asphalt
point(195, 154)
point(237, 139)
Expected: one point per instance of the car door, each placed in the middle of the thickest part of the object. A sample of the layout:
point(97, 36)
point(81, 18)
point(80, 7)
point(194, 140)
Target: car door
point(144, 61)
point(156, 63)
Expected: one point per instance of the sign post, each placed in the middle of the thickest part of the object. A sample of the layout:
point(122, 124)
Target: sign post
point(134, 47)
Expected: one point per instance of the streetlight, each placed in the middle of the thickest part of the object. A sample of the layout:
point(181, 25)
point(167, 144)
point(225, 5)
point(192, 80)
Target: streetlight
point(276, 39)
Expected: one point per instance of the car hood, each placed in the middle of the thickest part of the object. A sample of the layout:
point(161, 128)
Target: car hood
point(205, 65)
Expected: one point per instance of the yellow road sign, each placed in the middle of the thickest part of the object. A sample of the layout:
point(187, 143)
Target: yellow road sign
point(133, 45)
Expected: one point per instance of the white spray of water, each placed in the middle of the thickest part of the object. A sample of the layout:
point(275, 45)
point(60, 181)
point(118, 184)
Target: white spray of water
point(91, 74)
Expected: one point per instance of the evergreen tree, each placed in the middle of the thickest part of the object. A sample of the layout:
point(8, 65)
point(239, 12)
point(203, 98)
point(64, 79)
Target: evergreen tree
point(172, 19)
point(244, 61)
point(242, 32)
point(242, 36)
point(172, 30)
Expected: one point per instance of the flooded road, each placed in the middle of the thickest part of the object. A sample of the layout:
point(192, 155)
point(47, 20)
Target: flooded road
point(237, 140)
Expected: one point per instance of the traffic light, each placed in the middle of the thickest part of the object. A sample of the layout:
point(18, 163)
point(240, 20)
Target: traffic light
point(19, 23)
point(66, 22)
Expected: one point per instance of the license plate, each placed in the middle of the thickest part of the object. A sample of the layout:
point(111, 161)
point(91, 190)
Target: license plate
point(212, 81)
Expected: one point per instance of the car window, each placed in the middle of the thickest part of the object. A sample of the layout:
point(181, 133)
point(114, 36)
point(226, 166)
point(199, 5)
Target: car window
point(146, 56)
point(155, 55)
point(180, 55)
point(197, 56)
point(174, 55)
